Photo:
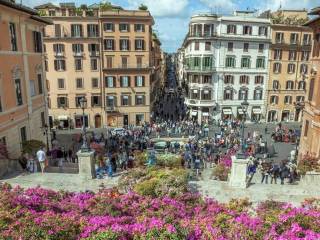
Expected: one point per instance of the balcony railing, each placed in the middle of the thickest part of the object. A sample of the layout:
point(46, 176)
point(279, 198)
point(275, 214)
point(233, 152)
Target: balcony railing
point(197, 102)
point(78, 54)
point(94, 53)
point(200, 68)
point(111, 109)
point(129, 66)
point(59, 54)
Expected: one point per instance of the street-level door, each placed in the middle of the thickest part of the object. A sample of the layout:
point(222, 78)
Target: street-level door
point(78, 121)
point(125, 120)
point(97, 121)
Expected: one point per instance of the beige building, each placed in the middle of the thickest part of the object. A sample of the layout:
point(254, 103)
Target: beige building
point(22, 87)
point(310, 136)
point(102, 53)
point(289, 70)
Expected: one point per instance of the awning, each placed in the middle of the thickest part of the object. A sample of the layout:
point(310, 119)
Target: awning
point(195, 91)
point(256, 110)
point(206, 91)
point(227, 111)
point(63, 117)
point(194, 113)
point(240, 111)
point(205, 114)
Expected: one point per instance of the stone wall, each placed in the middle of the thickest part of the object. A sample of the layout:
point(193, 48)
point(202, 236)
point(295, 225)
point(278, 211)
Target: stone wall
point(8, 166)
point(310, 179)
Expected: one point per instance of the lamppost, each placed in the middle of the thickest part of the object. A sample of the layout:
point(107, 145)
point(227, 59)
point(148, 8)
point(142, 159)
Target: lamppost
point(299, 109)
point(83, 105)
point(45, 129)
point(244, 106)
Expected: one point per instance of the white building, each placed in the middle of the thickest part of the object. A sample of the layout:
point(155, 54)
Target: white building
point(180, 71)
point(226, 61)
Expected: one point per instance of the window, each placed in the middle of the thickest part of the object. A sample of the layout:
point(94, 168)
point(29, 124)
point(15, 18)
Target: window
point(109, 62)
point(93, 30)
point(40, 84)
point(277, 54)
point(77, 100)
point(43, 120)
point(257, 94)
point(37, 40)
point(23, 134)
point(306, 128)
point(261, 47)
point(306, 39)
point(79, 83)
point(111, 101)
point(76, 30)
point(258, 80)
point(124, 61)
point(109, 44)
point(305, 55)
point(57, 30)
point(60, 65)
point(94, 64)
point(294, 38)
point(244, 79)
point(139, 44)
point(95, 101)
point(303, 68)
point(245, 62)
point(291, 68)
point(110, 81)
point(277, 67)
point(207, 46)
point(246, 47)
point(206, 94)
point(287, 99)
point(243, 94)
point(289, 85)
point(311, 89)
point(46, 68)
point(207, 62)
point(52, 13)
point(230, 62)
point(108, 27)
point(13, 37)
point(62, 101)
point(93, 48)
point(207, 79)
point(300, 99)
point(229, 79)
point(208, 30)
point(228, 94)
point(139, 61)
point(95, 82)
point(139, 27)
point(231, 29)
point(260, 62)
point(230, 46)
point(58, 49)
point(125, 81)
point(196, 46)
point(78, 64)
point(124, 44)
point(61, 83)
point(263, 31)
point(17, 83)
point(32, 88)
point(292, 55)
point(301, 85)
point(139, 119)
point(247, 30)
point(77, 49)
point(197, 30)
point(124, 27)
point(275, 84)
point(279, 37)
point(274, 100)
point(139, 81)
point(125, 100)
point(140, 99)
point(194, 94)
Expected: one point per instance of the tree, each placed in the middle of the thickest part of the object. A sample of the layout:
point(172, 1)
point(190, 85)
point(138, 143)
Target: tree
point(143, 7)
point(31, 146)
point(106, 6)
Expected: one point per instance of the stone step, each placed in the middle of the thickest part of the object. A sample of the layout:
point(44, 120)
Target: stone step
point(62, 170)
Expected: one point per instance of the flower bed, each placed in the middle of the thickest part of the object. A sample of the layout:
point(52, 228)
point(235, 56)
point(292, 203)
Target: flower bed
point(38, 214)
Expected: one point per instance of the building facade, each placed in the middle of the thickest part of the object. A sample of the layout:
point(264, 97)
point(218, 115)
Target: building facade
point(23, 111)
point(288, 71)
point(104, 54)
point(310, 135)
point(226, 62)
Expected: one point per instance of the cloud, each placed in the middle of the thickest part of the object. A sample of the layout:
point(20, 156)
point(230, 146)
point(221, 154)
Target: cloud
point(287, 4)
point(225, 5)
point(163, 8)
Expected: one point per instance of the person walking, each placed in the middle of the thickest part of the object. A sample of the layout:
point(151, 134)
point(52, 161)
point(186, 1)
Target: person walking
point(41, 156)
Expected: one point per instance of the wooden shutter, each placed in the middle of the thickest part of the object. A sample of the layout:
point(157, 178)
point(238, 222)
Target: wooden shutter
point(114, 82)
point(143, 81)
point(55, 65)
point(311, 89)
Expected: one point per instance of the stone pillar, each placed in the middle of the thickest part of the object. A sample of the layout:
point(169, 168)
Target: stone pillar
point(86, 165)
point(238, 177)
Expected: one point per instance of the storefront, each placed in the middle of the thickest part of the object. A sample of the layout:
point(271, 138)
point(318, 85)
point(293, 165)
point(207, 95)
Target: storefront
point(256, 114)
point(78, 119)
point(240, 113)
point(285, 116)
point(226, 113)
point(63, 121)
point(272, 116)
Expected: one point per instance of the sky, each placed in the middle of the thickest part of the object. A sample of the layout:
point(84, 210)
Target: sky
point(172, 16)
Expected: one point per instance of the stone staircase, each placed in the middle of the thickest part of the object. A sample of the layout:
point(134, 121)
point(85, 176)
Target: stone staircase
point(67, 167)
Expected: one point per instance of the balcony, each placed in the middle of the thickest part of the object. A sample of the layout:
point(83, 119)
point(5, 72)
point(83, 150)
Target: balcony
point(78, 54)
point(94, 54)
point(111, 109)
point(200, 103)
point(129, 67)
point(199, 69)
point(202, 35)
point(59, 54)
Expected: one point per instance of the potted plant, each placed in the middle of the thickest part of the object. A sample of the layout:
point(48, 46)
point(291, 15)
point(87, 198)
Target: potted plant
point(143, 7)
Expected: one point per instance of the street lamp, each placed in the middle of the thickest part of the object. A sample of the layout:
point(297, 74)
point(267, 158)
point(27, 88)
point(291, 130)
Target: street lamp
point(244, 106)
point(83, 105)
point(45, 129)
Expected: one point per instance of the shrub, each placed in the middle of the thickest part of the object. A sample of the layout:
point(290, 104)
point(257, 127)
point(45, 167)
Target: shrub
point(308, 163)
point(221, 172)
point(31, 146)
